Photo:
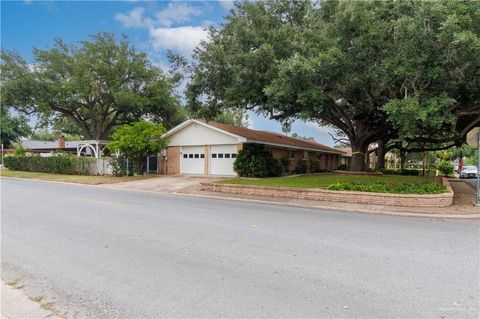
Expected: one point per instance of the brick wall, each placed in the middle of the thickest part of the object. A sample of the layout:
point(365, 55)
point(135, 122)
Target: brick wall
point(172, 165)
point(437, 200)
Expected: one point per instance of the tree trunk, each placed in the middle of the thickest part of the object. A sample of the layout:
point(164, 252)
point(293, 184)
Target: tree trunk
point(403, 156)
point(380, 165)
point(358, 157)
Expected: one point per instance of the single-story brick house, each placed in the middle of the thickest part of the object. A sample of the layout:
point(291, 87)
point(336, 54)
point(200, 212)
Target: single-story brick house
point(210, 148)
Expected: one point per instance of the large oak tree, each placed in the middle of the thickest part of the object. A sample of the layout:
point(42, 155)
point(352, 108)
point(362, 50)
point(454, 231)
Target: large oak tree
point(340, 63)
point(99, 85)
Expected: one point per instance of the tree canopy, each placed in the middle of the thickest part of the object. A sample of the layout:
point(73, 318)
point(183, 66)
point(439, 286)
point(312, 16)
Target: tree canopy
point(12, 128)
point(374, 70)
point(99, 85)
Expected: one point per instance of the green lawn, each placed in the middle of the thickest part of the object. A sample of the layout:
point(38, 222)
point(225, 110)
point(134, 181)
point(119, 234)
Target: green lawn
point(385, 183)
point(80, 179)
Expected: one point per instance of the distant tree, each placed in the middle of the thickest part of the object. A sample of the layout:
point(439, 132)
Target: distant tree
point(12, 128)
point(137, 141)
point(286, 127)
point(232, 117)
point(99, 85)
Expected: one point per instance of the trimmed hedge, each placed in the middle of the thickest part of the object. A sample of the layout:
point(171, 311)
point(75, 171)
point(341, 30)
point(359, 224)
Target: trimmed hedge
point(60, 164)
point(405, 172)
point(397, 188)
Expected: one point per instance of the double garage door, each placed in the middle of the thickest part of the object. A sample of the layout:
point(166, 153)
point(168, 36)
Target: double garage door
point(220, 159)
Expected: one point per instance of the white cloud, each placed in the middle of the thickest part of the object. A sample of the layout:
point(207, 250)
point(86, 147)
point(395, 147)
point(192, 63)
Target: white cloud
point(227, 5)
point(133, 19)
point(183, 39)
point(176, 12)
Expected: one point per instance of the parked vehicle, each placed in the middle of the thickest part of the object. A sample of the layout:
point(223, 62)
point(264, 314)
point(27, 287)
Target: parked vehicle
point(469, 172)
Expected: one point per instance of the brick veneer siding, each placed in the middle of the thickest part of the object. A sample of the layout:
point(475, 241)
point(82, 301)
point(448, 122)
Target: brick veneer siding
point(172, 165)
point(410, 200)
point(313, 164)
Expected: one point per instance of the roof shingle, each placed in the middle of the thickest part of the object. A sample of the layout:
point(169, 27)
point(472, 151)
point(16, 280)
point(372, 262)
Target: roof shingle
point(273, 138)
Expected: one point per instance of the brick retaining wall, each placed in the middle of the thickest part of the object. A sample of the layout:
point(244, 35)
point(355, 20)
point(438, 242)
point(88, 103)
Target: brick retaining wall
point(317, 194)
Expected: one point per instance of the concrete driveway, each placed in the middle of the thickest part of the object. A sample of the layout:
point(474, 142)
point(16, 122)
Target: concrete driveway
point(164, 184)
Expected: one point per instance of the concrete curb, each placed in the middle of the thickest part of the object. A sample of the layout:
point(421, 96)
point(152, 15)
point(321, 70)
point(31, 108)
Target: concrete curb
point(15, 304)
point(338, 209)
point(313, 206)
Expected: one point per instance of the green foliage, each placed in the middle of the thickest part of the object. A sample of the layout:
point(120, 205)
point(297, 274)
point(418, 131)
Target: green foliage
point(397, 188)
point(403, 172)
point(446, 168)
point(118, 166)
point(63, 164)
point(285, 161)
point(343, 167)
point(256, 161)
point(137, 141)
point(47, 135)
point(12, 128)
point(301, 167)
point(232, 117)
point(20, 151)
point(99, 85)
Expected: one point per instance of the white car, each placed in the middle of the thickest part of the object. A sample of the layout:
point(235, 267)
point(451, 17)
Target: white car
point(469, 171)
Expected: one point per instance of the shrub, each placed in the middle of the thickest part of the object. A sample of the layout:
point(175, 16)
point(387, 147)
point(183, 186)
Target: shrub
point(285, 161)
point(118, 166)
point(256, 161)
point(405, 172)
point(398, 188)
point(445, 167)
point(301, 167)
point(20, 151)
point(343, 167)
point(60, 164)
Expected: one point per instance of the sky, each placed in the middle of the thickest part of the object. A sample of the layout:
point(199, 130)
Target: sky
point(151, 26)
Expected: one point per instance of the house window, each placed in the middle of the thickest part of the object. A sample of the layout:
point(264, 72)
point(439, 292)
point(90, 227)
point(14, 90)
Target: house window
point(317, 156)
point(291, 154)
point(220, 155)
point(234, 155)
point(214, 155)
point(185, 155)
point(227, 155)
point(197, 155)
point(305, 154)
point(202, 155)
point(190, 155)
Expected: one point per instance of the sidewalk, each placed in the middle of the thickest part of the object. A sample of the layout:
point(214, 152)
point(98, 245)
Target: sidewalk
point(463, 207)
point(16, 305)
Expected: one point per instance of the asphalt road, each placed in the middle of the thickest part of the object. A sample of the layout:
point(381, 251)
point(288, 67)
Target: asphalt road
point(103, 253)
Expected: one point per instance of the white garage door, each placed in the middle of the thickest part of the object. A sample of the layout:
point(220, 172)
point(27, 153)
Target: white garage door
point(222, 158)
point(193, 160)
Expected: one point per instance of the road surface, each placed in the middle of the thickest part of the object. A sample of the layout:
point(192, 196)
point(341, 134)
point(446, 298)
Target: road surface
point(103, 253)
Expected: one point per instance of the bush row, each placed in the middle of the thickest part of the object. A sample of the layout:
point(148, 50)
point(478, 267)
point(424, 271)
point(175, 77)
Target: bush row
point(397, 188)
point(406, 172)
point(59, 164)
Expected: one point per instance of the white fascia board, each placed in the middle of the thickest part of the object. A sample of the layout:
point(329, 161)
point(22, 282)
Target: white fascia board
point(188, 122)
point(177, 128)
point(240, 139)
point(294, 147)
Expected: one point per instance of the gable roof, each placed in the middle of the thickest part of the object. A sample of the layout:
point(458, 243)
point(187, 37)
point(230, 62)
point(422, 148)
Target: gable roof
point(262, 137)
point(271, 138)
